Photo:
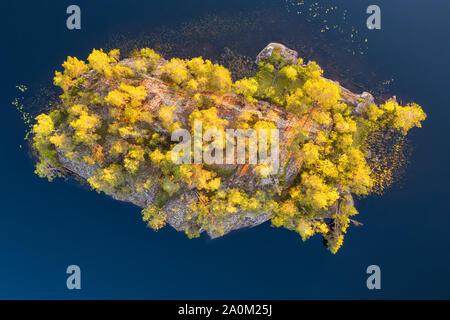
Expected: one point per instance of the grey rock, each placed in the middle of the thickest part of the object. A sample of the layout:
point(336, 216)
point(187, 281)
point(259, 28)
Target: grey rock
point(291, 56)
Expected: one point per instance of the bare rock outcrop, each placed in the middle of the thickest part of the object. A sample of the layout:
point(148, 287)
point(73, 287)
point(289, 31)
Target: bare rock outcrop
point(289, 55)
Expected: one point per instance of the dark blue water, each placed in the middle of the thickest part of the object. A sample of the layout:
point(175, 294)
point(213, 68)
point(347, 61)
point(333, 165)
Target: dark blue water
point(44, 227)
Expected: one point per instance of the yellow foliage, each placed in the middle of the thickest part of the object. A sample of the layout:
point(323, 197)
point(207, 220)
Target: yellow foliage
point(107, 179)
point(114, 55)
point(409, 117)
point(305, 229)
point(63, 81)
point(157, 157)
point(289, 209)
point(117, 98)
point(322, 117)
point(329, 139)
point(295, 102)
point(314, 192)
point(62, 141)
point(209, 118)
point(119, 147)
point(167, 116)
point(290, 72)
point(84, 127)
point(136, 95)
point(44, 125)
point(390, 105)
point(335, 243)
point(176, 71)
point(214, 184)
point(355, 172)
point(247, 88)
point(100, 62)
point(220, 80)
point(155, 217)
point(134, 158)
point(75, 68)
point(373, 112)
point(327, 169)
point(343, 125)
point(192, 85)
point(309, 153)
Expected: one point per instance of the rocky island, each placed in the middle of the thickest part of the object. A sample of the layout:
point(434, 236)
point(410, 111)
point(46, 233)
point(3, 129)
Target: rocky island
point(115, 122)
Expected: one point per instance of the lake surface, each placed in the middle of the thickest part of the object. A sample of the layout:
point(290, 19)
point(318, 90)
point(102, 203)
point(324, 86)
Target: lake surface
point(44, 227)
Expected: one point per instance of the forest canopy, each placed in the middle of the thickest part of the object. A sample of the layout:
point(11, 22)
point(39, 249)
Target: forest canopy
point(105, 122)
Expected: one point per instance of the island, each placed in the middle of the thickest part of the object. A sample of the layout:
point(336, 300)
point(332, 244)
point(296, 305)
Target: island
point(116, 120)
